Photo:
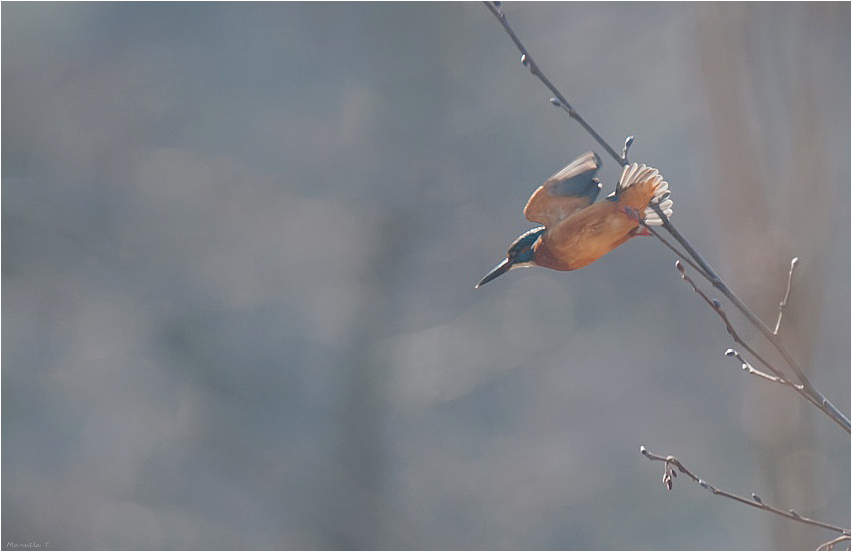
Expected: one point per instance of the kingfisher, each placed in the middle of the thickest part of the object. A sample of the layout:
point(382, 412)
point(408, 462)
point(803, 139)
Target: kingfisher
point(577, 231)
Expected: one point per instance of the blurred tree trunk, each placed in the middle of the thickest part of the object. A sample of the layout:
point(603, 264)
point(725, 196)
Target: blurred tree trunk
point(764, 223)
point(357, 513)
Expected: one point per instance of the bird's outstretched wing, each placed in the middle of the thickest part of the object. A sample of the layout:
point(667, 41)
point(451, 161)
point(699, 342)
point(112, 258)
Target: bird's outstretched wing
point(572, 188)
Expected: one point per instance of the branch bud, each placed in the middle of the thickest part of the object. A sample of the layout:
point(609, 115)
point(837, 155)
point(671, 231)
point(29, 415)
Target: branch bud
point(627, 143)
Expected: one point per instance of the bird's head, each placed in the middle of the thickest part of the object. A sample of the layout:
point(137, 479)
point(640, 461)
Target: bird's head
point(520, 254)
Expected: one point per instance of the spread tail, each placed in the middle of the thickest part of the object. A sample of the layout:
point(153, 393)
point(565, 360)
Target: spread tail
point(640, 174)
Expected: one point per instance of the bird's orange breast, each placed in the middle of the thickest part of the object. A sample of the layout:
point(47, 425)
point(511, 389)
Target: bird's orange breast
point(590, 233)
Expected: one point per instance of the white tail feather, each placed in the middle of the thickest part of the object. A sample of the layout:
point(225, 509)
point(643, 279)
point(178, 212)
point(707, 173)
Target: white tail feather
point(635, 173)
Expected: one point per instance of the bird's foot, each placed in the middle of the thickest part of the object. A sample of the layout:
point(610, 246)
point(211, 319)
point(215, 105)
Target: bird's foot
point(636, 216)
point(632, 214)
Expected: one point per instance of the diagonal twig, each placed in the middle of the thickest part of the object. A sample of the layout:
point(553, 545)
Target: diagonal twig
point(559, 100)
point(756, 502)
point(664, 241)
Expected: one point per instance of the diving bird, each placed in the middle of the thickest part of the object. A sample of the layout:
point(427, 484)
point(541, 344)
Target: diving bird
point(577, 231)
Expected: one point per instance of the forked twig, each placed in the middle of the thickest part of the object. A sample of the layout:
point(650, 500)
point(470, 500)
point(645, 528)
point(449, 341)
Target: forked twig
point(813, 394)
point(830, 544)
point(697, 261)
point(746, 365)
point(778, 376)
point(671, 463)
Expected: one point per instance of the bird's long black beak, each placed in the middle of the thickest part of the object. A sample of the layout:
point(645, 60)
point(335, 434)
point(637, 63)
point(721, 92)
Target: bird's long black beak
point(501, 268)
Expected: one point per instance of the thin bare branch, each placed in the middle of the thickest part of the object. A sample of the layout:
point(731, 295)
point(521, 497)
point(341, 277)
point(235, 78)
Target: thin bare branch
point(779, 376)
point(680, 255)
point(559, 100)
point(670, 462)
point(717, 308)
point(786, 295)
point(833, 542)
point(814, 394)
point(754, 371)
point(805, 389)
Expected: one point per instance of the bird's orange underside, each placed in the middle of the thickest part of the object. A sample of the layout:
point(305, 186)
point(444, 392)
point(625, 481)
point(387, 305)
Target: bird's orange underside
point(590, 233)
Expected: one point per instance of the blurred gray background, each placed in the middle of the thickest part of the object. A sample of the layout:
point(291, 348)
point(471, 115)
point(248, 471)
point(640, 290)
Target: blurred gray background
point(239, 249)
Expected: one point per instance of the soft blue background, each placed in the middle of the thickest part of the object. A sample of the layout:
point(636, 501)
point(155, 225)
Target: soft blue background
point(239, 249)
